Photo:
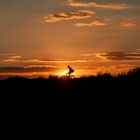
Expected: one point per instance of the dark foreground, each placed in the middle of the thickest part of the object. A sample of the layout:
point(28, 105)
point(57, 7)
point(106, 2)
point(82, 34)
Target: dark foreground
point(101, 90)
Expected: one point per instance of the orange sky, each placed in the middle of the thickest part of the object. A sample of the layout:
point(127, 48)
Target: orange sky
point(89, 35)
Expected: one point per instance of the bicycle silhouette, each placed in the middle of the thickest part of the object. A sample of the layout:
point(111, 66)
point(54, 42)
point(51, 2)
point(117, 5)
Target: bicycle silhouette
point(70, 76)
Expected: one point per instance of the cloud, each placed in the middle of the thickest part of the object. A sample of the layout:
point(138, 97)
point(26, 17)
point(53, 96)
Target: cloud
point(94, 23)
point(54, 61)
point(116, 6)
point(88, 54)
point(32, 61)
point(128, 24)
point(119, 56)
point(26, 70)
point(69, 15)
point(13, 58)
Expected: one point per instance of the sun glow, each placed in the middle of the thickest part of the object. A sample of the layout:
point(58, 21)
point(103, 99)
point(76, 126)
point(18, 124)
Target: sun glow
point(63, 73)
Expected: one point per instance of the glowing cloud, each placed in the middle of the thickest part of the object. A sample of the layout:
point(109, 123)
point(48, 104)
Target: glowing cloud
point(128, 24)
point(116, 6)
point(94, 23)
point(25, 60)
point(13, 58)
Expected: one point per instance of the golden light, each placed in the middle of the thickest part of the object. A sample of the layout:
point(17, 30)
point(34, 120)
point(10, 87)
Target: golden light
point(63, 73)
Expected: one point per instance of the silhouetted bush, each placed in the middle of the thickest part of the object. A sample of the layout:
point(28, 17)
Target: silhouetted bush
point(103, 88)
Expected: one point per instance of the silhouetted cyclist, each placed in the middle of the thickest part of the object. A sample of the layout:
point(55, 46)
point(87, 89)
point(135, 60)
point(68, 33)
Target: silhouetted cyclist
point(70, 70)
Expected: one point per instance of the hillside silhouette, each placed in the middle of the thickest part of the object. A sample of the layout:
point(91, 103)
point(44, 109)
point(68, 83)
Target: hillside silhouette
point(102, 89)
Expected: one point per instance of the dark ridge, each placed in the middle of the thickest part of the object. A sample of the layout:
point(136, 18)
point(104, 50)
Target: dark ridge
point(103, 90)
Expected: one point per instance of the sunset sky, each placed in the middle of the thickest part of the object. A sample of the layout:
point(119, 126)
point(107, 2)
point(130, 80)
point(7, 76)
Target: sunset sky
point(90, 35)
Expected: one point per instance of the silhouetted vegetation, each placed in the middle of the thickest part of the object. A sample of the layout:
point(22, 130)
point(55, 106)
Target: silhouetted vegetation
point(100, 89)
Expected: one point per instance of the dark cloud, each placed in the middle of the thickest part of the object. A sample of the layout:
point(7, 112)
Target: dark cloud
point(26, 70)
point(120, 56)
point(69, 15)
